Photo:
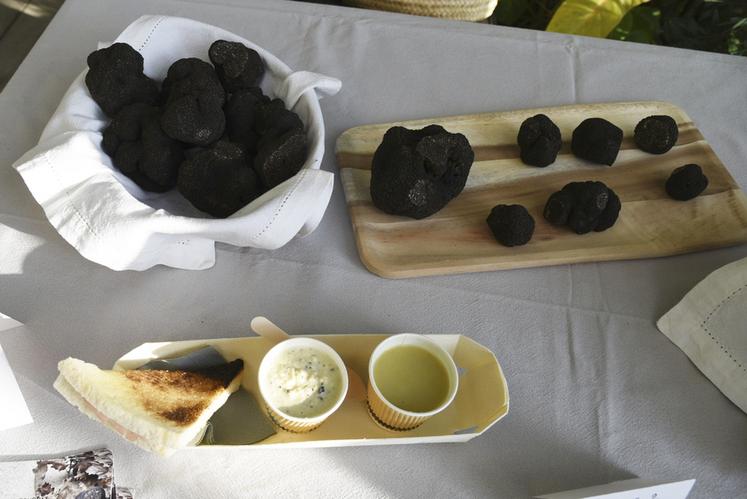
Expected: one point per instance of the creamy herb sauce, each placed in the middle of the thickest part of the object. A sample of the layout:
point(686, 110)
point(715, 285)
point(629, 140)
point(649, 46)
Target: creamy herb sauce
point(304, 382)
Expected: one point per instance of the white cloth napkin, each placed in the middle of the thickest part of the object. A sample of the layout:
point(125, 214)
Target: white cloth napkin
point(111, 221)
point(14, 410)
point(710, 326)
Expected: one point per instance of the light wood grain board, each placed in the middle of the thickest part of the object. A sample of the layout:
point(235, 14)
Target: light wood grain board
point(457, 238)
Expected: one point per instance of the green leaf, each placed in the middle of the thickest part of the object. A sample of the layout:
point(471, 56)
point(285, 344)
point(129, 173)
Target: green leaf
point(641, 24)
point(590, 17)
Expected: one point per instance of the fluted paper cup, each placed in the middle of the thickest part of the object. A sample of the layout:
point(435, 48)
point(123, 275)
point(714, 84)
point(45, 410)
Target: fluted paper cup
point(286, 421)
point(389, 415)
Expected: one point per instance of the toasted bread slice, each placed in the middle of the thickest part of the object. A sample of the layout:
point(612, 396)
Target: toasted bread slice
point(161, 411)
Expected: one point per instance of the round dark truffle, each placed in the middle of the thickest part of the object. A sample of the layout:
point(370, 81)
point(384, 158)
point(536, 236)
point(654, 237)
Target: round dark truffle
point(512, 225)
point(539, 141)
point(609, 215)
point(597, 140)
point(583, 207)
point(415, 173)
point(558, 207)
point(194, 98)
point(686, 182)
point(139, 148)
point(273, 119)
point(241, 112)
point(237, 65)
point(219, 180)
point(279, 158)
point(115, 78)
point(194, 77)
point(656, 134)
point(590, 200)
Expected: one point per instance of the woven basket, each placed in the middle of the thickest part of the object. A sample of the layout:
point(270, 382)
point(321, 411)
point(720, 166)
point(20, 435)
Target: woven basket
point(465, 10)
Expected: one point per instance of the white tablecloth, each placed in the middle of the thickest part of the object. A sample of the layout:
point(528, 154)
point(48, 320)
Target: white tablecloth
point(597, 393)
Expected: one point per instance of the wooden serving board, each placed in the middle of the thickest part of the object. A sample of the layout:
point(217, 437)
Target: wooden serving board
point(457, 238)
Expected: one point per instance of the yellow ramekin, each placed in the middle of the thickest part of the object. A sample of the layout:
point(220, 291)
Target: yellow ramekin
point(278, 417)
point(390, 416)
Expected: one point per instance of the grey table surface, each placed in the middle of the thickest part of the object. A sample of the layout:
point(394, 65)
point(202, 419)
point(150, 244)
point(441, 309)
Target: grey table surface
point(597, 393)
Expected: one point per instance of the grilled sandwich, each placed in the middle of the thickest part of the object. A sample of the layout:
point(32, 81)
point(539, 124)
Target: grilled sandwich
point(160, 411)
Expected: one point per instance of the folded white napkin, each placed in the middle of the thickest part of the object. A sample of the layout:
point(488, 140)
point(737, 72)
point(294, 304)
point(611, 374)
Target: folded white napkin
point(710, 326)
point(14, 412)
point(111, 221)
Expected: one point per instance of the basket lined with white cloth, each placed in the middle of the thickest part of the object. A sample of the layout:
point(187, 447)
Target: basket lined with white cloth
point(113, 222)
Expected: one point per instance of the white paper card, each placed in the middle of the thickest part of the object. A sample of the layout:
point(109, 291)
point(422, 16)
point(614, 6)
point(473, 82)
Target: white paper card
point(636, 488)
point(15, 412)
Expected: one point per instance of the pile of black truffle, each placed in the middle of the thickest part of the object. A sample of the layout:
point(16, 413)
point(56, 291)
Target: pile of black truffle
point(209, 130)
point(588, 206)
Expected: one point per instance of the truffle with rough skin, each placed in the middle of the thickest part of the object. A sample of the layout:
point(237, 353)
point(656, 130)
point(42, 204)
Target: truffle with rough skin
point(590, 200)
point(237, 65)
point(656, 134)
point(241, 110)
point(597, 140)
point(139, 148)
point(609, 215)
point(558, 207)
point(194, 98)
point(273, 119)
point(686, 182)
point(539, 141)
point(281, 157)
point(219, 180)
point(115, 78)
point(584, 207)
point(415, 173)
point(512, 225)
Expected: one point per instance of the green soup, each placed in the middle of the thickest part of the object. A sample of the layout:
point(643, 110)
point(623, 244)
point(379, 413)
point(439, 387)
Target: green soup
point(412, 378)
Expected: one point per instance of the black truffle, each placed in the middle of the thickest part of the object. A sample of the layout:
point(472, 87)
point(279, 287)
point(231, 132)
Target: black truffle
point(115, 78)
point(583, 206)
point(558, 207)
point(656, 134)
point(219, 181)
point(686, 182)
point(241, 110)
point(280, 158)
point(539, 141)
point(194, 98)
point(589, 201)
point(237, 65)
point(415, 173)
point(139, 148)
point(609, 215)
point(597, 140)
point(273, 119)
point(512, 225)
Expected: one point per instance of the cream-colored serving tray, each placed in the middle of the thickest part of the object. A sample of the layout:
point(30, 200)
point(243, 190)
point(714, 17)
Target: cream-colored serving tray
point(482, 398)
